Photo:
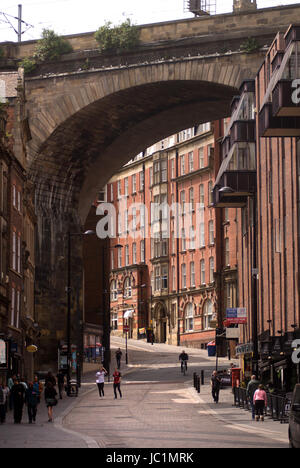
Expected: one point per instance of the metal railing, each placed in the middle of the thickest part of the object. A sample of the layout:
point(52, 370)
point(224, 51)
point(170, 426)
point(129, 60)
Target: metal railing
point(278, 407)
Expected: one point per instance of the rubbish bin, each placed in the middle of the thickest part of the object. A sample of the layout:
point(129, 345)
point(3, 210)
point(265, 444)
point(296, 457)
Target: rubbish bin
point(211, 349)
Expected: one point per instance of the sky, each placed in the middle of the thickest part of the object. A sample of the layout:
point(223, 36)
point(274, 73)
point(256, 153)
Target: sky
point(78, 16)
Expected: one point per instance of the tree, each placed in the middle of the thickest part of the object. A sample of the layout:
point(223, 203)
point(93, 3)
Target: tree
point(51, 46)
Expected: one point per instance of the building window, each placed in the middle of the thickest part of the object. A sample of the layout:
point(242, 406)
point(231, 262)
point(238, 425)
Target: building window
point(211, 229)
point(182, 201)
point(202, 271)
point(164, 277)
point(164, 170)
point(183, 240)
point(14, 251)
point(211, 269)
point(134, 258)
point(208, 312)
point(182, 165)
point(156, 279)
point(201, 158)
point(189, 317)
point(126, 255)
point(173, 278)
point(210, 193)
point(126, 185)
point(227, 252)
point(202, 234)
point(142, 180)
point(119, 190)
point(191, 199)
point(192, 275)
point(142, 251)
point(172, 168)
point(127, 288)
point(183, 276)
point(120, 257)
point(114, 290)
point(191, 161)
point(114, 321)
point(134, 183)
point(111, 192)
point(13, 307)
point(201, 195)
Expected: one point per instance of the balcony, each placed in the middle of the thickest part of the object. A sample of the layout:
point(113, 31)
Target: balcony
point(234, 188)
point(282, 100)
point(242, 131)
point(270, 126)
point(237, 177)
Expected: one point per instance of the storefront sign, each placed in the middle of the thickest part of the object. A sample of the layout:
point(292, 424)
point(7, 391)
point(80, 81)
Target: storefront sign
point(236, 316)
point(232, 333)
point(244, 349)
point(3, 353)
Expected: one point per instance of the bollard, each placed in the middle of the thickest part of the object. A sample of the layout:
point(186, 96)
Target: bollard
point(194, 379)
point(198, 384)
point(202, 377)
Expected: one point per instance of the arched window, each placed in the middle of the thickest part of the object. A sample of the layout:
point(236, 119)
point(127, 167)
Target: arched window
point(189, 317)
point(208, 312)
point(127, 287)
point(114, 290)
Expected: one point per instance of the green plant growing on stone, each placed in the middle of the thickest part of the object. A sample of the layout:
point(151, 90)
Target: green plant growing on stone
point(123, 37)
point(250, 45)
point(29, 65)
point(51, 47)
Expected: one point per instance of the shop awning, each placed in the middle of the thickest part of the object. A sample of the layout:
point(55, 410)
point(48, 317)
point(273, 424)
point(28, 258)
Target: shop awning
point(129, 314)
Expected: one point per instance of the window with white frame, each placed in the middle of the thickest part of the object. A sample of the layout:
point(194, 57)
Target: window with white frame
point(127, 288)
point(13, 306)
point(211, 229)
point(192, 241)
point(14, 250)
point(182, 165)
point(201, 158)
point(191, 199)
point(202, 271)
point(134, 183)
point(183, 276)
point(142, 251)
point(114, 320)
point(120, 253)
point(191, 161)
point(119, 189)
point(126, 186)
point(134, 256)
point(211, 269)
point(192, 275)
point(114, 290)
point(201, 195)
point(189, 317)
point(208, 313)
point(126, 255)
point(202, 234)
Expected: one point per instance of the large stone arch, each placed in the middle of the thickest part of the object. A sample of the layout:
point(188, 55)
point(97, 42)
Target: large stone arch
point(84, 122)
point(84, 127)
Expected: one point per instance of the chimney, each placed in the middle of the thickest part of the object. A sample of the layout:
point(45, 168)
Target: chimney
point(240, 6)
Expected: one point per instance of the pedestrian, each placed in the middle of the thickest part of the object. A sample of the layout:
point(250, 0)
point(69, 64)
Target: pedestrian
point(50, 378)
point(60, 382)
point(215, 386)
point(50, 399)
point(4, 393)
point(32, 401)
point(117, 383)
point(260, 402)
point(10, 383)
point(251, 389)
point(38, 387)
point(118, 358)
point(100, 379)
point(18, 395)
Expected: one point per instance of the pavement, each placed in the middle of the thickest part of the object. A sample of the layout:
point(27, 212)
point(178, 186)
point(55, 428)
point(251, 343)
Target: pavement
point(59, 435)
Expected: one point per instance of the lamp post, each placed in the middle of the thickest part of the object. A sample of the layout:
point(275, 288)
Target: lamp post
point(69, 296)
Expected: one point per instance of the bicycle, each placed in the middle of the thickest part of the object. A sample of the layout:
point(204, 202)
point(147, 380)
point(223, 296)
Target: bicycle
point(184, 367)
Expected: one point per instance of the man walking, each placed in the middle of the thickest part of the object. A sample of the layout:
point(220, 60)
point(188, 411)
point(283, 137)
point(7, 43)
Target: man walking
point(118, 358)
point(215, 386)
point(117, 383)
point(251, 389)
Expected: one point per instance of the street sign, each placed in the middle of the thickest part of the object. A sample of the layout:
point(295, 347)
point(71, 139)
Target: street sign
point(125, 328)
point(236, 315)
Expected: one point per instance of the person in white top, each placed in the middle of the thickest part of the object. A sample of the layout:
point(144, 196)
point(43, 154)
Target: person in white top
point(100, 379)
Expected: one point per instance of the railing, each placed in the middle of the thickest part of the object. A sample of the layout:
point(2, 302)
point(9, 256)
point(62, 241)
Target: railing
point(278, 407)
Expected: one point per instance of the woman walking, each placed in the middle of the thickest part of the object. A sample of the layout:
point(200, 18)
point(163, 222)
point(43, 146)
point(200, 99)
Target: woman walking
point(260, 402)
point(100, 379)
point(50, 398)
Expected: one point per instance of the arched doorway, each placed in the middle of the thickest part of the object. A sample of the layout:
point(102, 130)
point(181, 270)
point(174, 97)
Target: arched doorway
point(160, 323)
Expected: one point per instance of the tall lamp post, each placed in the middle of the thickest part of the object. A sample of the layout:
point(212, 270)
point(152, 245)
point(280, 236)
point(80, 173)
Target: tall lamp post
point(69, 297)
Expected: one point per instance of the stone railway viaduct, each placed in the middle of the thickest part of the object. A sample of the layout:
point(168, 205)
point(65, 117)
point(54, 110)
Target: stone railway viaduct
point(89, 114)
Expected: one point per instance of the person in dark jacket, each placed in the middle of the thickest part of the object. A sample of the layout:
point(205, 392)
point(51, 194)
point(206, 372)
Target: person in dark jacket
point(215, 386)
point(18, 394)
point(32, 401)
point(251, 389)
point(50, 398)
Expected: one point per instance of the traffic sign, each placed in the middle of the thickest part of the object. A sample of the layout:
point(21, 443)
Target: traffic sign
point(125, 328)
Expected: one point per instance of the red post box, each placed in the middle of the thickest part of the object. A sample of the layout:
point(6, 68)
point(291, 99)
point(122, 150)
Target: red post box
point(236, 377)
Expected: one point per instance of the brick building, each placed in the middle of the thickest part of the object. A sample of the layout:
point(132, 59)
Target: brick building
point(259, 177)
point(167, 272)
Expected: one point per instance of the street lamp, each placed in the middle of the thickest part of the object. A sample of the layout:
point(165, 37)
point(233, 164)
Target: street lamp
point(69, 290)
